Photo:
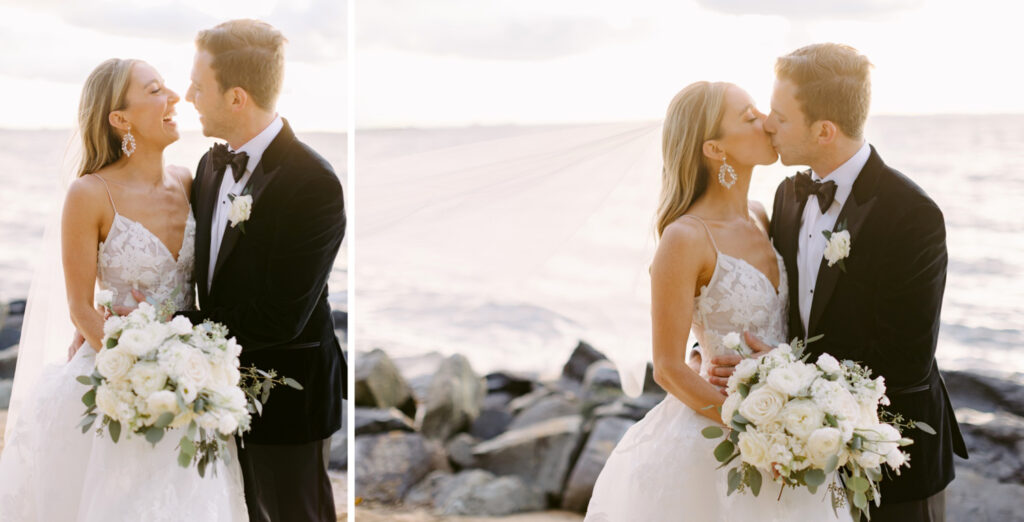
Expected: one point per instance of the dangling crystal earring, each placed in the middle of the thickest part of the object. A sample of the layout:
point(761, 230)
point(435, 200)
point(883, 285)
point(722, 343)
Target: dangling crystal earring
point(724, 170)
point(128, 143)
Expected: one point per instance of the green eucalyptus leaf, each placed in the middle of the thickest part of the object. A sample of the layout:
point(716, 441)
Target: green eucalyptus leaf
point(292, 383)
point(860, 500)
point(89, 399)
point(814, 477)
point(832, 463)
point(164, 420)
point(858, 484)
point(84, 379)
point(115, 430)
point(724, 450)
point(734, 480)
point(924, 427)
point(754, 480)
point(712, 432)
point(154, 434)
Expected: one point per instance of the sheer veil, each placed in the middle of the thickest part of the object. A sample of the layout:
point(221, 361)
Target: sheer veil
point(464, 241)
point(46, 330)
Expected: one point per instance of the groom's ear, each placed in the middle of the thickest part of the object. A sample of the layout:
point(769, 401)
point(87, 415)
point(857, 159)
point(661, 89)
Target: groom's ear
point(825, 131)
point(237, 98)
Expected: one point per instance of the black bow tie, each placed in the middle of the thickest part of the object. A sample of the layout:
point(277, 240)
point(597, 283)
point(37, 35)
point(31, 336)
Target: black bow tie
point(222, 157)
point(805, 186)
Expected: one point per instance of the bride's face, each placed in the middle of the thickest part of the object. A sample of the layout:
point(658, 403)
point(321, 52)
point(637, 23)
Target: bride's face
point(150, 108)
point(742, 131)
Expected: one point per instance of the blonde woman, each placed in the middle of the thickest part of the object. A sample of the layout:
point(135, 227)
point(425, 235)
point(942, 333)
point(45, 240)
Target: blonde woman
point(128, 227)
point(715, 271)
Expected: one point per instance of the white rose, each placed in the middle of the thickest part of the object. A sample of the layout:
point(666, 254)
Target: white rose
point(868, 415)
point(104, 298)
point(107, 401)
point(137, 341)
point(784, 380)
point(161, 402)
point(114, 364)
point(838, 247)
point(801, 417)
point(762, 405)
point(113, 326)
point(754, 448)
point(227, 424)
point(729, 406)
point(194, 368)
point(233, 348)
point(241, 209)
point(189, 391)
point(145, 312)
point(895, 459)
point(868, 459)
point(822, 444)
point(147, 379)
point(180, 325)
point(208, 420)
point(828, 364)
point(744, 370)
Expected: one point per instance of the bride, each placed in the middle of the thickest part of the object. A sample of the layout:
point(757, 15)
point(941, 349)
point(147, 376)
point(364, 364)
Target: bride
point(127, 226)
point(715, 271)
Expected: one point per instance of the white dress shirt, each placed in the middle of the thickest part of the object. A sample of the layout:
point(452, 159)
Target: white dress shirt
point(811, 244)
point(254, 148)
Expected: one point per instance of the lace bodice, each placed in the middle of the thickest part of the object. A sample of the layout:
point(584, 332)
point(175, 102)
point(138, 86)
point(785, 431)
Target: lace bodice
point(132, 257)
point(739, 298)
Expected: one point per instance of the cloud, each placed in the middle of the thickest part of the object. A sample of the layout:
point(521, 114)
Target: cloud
point(812, 9)
point(481, 30)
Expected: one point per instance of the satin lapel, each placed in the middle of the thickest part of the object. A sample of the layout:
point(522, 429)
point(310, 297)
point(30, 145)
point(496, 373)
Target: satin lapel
point(208, 189)
point(264, 172)
point(854, 212)
point(786, 242)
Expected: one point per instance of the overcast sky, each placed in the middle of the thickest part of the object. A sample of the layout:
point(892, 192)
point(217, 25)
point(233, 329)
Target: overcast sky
point(459, 62)
point(50, 46)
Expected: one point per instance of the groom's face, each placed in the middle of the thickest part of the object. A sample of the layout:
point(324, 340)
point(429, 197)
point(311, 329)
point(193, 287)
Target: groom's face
point(210, 101)
point(788, 127)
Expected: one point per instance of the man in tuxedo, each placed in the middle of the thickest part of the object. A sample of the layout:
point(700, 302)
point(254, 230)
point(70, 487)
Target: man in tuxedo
point(880, 305)
point(263, 273)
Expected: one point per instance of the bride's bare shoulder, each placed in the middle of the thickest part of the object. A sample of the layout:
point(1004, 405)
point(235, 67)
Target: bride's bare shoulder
point(182, 174)
point(759, 212)
point(87, 197)
point(685, 237)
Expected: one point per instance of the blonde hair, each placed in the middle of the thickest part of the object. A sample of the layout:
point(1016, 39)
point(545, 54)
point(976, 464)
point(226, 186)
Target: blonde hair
point(247, 54)
point(105, 91)
point(833, 82)
point(694, 116)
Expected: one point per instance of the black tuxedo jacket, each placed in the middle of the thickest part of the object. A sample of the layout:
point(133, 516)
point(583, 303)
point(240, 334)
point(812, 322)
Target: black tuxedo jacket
point(883, 311)
point(270, 285)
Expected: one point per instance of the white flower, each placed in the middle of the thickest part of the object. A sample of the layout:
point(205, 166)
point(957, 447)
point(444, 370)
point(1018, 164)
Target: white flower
point(105, 298)
point(762, 405)
point(227, 424)
point(895, 459)
point(113, 326)
point(161, 402)
point(868, 459)
point(828, 364)
point(754, 447)
point(784, 380)
point(193, 367)
point(868, 415)
point(147, 379)
point(208, 420)
point(107, 401)
point(241, 209)
point(729, 406)
point(114, 364)
point(838, 247)
point(180, 325)
point(189, 391)
point(137, 341)
point(822, 444)
point(801, 417)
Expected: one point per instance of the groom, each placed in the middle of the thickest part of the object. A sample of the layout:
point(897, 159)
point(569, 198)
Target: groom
point(880, 305)
point(263, 272)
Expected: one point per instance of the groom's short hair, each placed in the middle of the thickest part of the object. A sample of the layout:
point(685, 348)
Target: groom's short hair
point(833, 82)
point(247, 54)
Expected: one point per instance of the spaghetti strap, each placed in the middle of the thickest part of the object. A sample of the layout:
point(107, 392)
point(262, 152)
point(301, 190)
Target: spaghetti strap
point(183, 191)
point(108, 192)
point(706, 228)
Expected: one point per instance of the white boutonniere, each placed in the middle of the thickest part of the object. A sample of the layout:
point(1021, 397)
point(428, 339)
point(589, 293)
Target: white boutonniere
point(838, 247)
point(241, 209)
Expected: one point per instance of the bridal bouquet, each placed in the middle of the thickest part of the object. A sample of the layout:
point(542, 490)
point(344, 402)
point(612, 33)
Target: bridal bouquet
point(153, 376)
point(800, 422)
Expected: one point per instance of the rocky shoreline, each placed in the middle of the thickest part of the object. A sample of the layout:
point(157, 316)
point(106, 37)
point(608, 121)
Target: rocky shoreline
point(436, 441)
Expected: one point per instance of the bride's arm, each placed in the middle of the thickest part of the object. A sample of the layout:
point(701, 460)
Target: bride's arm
point(80, 233)
point(683, 253)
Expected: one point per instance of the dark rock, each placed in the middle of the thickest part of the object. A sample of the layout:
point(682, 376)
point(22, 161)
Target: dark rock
point(521, 403)
point(420, 385)
point(628, 407)
point(388, 465)
point(460, 450)
point(422, 494)
point(972, 496)
point(8, 362)
point(985, 392)
point(370, 421)
point(539, 454)
point(339, 450)
point(476, 493)
point(497, 401)
point(10, 332)
point(453, 399)
point(340, 318)
point(599, 446)
point(547, 408)
point(490, 423)
point(509, 383)
point(582, 357)
point(379, 385)
point(995, 442)
point(16, 307)
point(419, 371)
point(601, 385)
point(5, 393)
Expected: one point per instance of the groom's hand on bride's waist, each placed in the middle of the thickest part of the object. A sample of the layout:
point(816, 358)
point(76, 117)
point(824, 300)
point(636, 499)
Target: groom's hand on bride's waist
point(722, 366)
point(125, 310)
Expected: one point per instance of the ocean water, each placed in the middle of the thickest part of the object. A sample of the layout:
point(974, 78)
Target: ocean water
point(596, 282)
point(35, 166)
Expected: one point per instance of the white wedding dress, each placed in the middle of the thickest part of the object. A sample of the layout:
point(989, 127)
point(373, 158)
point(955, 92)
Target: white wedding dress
point(663, 469)
point(51, 472)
